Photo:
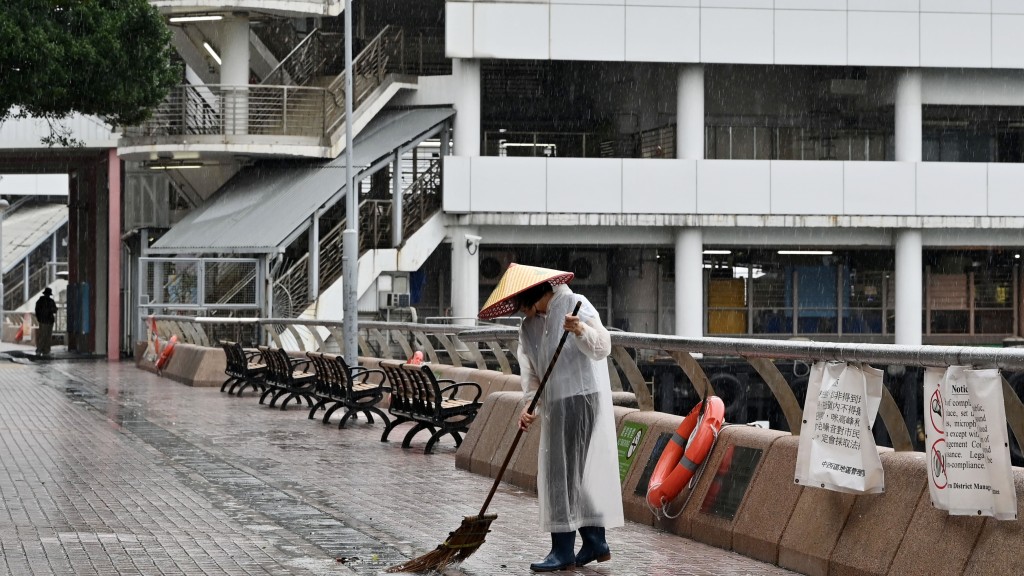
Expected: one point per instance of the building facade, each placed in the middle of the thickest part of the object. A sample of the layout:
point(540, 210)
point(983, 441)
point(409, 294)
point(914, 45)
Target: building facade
point(830, 169)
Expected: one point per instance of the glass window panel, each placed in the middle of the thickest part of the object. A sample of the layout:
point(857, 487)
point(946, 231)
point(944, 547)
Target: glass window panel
point(947, 291)
point(993, 288)
point(862, 321)
point(790, 143)
point(769, 291)
point(993, 322)
point(773, 321)
point(949, 321)
point(723, 139)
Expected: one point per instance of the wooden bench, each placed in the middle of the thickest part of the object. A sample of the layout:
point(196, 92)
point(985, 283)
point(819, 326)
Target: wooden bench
point(245, 368)
point(418, 396)
point(287, 377)
point(340, 386)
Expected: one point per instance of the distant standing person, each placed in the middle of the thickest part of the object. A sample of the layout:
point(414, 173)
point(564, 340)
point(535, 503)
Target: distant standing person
point(46, 314)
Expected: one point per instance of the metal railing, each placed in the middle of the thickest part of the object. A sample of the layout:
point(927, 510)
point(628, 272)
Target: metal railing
point(494, 348)
point(313, 57)
point(544, 144)
point(420, 201)
point(383, 55)
point(281, 109)
point(223, 110)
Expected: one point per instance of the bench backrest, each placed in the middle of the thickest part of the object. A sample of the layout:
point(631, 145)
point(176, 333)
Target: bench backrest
point(234, 357)
point(279, 368)
point(403, 393)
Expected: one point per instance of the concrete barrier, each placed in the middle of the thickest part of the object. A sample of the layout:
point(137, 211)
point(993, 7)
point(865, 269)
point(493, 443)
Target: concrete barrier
point(809, 530)
point(189, 364)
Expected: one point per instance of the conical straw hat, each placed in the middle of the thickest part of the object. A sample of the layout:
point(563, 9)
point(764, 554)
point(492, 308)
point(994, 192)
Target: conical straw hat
point(518, 279)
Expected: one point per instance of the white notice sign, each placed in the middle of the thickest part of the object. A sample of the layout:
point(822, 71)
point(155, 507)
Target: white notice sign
point(975, 453)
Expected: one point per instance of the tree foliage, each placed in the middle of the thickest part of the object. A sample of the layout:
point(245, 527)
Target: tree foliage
point(108, 58)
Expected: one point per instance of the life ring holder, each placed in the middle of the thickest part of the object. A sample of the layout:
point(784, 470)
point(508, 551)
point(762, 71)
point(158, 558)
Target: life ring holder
point(683, 458)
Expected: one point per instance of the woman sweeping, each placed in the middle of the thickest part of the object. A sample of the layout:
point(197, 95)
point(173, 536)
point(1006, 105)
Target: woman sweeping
point(577, 473)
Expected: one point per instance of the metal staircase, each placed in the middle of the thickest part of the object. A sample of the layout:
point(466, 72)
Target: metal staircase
point(420, 201)
point(303, 96)
point(30, 264)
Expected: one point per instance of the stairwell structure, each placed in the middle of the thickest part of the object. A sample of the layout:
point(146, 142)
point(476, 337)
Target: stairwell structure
point(252, 142)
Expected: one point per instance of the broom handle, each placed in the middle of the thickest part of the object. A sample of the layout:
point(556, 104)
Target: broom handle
point(533, 404)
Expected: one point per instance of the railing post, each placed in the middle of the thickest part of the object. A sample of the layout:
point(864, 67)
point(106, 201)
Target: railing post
point(284, 112)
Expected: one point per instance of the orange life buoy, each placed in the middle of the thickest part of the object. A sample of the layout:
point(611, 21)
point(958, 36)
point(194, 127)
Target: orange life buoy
point(166, 354)
point(685, 452)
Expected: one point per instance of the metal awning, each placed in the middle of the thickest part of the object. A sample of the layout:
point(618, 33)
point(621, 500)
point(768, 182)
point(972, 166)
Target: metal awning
point(259, 209)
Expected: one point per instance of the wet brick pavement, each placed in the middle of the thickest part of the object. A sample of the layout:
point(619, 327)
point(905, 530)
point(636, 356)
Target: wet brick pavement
point(106, 469)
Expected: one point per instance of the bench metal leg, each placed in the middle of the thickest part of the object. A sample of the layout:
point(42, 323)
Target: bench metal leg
point(257, 384)
point(330, 411)
point(370, 410)
point(230, 381)
point(269, 391)
point(319, 404)
point(277, 396)
point(391, 426)
point(414, 431)
point(440, 434)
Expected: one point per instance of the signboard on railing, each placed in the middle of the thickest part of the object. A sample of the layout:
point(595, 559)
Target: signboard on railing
point(969, 472)
point(837, 450)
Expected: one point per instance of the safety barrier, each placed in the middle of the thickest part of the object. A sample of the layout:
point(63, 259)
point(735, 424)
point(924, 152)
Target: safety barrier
point(494, 348)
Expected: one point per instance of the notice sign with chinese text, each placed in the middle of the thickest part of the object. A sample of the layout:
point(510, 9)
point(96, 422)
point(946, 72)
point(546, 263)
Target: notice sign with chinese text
point(969, 455)
point(836, 442)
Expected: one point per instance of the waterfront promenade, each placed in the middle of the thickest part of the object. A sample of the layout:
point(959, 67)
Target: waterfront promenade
point(106, 469)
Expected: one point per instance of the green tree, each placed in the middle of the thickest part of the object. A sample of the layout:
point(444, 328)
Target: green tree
point(108, 58)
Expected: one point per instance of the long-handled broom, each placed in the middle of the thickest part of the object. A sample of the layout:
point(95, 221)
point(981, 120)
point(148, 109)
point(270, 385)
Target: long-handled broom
point(470, 535)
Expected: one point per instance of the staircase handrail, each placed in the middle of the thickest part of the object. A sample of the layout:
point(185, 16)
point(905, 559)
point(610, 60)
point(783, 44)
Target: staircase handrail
point(268, 110)
point(307, 60)
point(374, 61)
point(420, 201)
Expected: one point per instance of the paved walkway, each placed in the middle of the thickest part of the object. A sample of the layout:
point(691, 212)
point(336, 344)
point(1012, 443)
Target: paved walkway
point(106, 469)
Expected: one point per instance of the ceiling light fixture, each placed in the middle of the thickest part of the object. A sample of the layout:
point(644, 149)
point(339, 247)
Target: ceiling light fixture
point(718, 251)
point(212, 52)
point(173, 165)
point(196, 18)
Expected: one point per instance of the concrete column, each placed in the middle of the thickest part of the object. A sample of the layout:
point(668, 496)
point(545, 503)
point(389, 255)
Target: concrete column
point(234, 72)
point(465, 276)
point(396, 197)
point(908, 116)
point(113, 256)
point(909, 267)
point(689, 283)
point(909, 262)
point(467, 106)
point(314, 256)
point(690, 113)
point(689, 290)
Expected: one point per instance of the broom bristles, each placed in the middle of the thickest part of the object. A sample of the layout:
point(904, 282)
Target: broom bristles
point(461, 544)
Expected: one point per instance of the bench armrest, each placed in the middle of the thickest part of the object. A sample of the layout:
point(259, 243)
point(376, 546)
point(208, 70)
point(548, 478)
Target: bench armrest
point(454, 388)
point(304, 363)
point(364, 373)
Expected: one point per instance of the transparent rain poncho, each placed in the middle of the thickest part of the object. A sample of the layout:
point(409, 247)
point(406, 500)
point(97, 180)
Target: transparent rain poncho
point(578, 469)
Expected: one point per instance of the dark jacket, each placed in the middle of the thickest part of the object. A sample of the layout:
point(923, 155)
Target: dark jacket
point(46, 310)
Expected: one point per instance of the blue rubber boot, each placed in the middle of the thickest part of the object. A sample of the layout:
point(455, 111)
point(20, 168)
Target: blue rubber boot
point(561, 556)
point(595, 547)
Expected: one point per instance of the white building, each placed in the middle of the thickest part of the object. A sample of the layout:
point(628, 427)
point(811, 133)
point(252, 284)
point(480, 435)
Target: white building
point(832, 169)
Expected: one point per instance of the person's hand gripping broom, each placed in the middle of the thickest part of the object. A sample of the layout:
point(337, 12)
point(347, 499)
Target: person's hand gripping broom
point(465, 540)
